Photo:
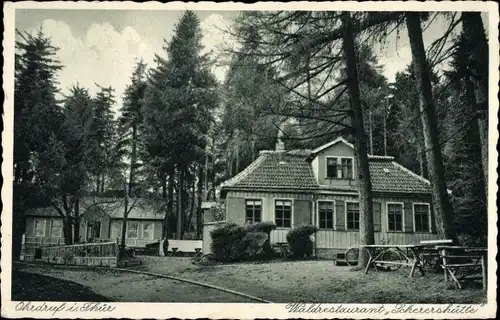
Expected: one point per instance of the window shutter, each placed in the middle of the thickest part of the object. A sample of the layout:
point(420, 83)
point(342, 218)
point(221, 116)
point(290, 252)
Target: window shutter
point(301, 212)
point(377, 216)
point(433, 220)
point(339, 215)
point(408, 216)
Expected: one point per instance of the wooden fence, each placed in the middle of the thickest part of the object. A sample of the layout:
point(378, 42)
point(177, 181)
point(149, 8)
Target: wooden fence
point(88, 254)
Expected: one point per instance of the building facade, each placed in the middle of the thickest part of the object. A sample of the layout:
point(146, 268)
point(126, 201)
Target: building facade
point(319, 187)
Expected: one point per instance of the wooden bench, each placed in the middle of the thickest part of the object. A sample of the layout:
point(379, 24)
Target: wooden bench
point(181, 247)
point(463, 263)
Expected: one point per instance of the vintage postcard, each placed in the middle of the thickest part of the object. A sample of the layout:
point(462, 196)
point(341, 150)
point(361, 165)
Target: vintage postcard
point(268, 160)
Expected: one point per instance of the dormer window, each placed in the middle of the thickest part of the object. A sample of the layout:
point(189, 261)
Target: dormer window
point(339, 168)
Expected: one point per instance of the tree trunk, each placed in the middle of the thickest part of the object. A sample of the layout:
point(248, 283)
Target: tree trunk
point(200, 191)
point(366, 233)
point(442, 207)
point(67, 231)
point(180, 204)
point(420, 153)
point(98, 184)
point(475, 37)
point(370, 126)
point(193, 201)
point(103, 178)
point(170, 203)
point(133, 161)
point(76, 222)
point(124, 225)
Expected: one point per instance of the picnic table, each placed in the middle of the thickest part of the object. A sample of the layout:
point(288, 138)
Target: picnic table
point(463, 263)
point(430, 255)
point(410, 254)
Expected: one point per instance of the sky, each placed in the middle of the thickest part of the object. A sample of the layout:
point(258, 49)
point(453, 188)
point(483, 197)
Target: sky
point(101, 46)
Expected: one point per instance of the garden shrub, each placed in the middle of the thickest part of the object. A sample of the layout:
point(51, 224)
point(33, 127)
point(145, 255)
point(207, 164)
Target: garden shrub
point(299, 240)
point(234, 243)
point(253, 242)
point(265, 227)
point(227, 242)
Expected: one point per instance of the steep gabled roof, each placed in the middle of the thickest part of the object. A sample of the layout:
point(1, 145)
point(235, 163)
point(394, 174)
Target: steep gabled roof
point(292, 170)
point(273, 169)
point(331, 143)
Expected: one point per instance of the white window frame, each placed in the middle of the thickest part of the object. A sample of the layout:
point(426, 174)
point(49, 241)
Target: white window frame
point(292, 211)
point(51, 226)
point(428, 216)
point(44, 227)
point(261, 207)
point(334, 213)
point(152, 230)
point(402, 214)
point(351, 201)
point(339, 165)
point(128, 223)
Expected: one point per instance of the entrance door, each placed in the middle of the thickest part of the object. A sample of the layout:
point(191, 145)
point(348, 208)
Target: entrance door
point(93, 230)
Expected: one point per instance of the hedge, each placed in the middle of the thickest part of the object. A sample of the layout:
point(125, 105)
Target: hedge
point(299, 241)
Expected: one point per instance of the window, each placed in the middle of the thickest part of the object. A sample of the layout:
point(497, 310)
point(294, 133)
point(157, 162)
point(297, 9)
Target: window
point(352, 211)
point(40, 227)
point(325, 211)
point(56, 228)
point(395, 216)
point(148, 231)
point(331, 167)
point(283, 213)
point(339, 168)
point(253, 211)
point(93, 230)
point(422, 217)
point(132, 229)
point(346, 168)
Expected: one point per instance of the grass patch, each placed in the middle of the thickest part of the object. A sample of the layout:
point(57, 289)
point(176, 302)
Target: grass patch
point(35, 287)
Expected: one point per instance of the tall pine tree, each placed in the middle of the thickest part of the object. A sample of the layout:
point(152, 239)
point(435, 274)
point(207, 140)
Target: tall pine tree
point(178, 103)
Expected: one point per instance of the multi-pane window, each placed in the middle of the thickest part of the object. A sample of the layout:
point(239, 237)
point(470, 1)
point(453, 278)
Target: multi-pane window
point(422, 217)
point(148, 231)
point(132, 230)
point(339, 168)
point(56, 228)
point(352, 210)
point(325, 211)
point(346, 168)
point(395, 216)
point(331, 167)
point(283, 213)
point(253, 211)
point(40, 227)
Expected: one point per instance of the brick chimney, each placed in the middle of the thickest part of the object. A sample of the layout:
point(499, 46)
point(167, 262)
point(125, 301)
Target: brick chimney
point(280, 145)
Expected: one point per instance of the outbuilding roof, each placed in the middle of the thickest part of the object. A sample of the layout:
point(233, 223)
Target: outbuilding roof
point(93, 207)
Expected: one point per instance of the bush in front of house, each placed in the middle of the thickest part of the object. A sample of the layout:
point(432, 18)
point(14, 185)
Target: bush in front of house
point(264, 227)
point(299, 241)
point(235, 243)
point(253, 243)
point(227, 242)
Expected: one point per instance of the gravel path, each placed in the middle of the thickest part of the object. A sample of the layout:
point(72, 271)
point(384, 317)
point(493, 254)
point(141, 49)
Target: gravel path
point(127, 287)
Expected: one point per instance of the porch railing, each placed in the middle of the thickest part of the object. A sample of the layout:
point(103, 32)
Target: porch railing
point(87, 254)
